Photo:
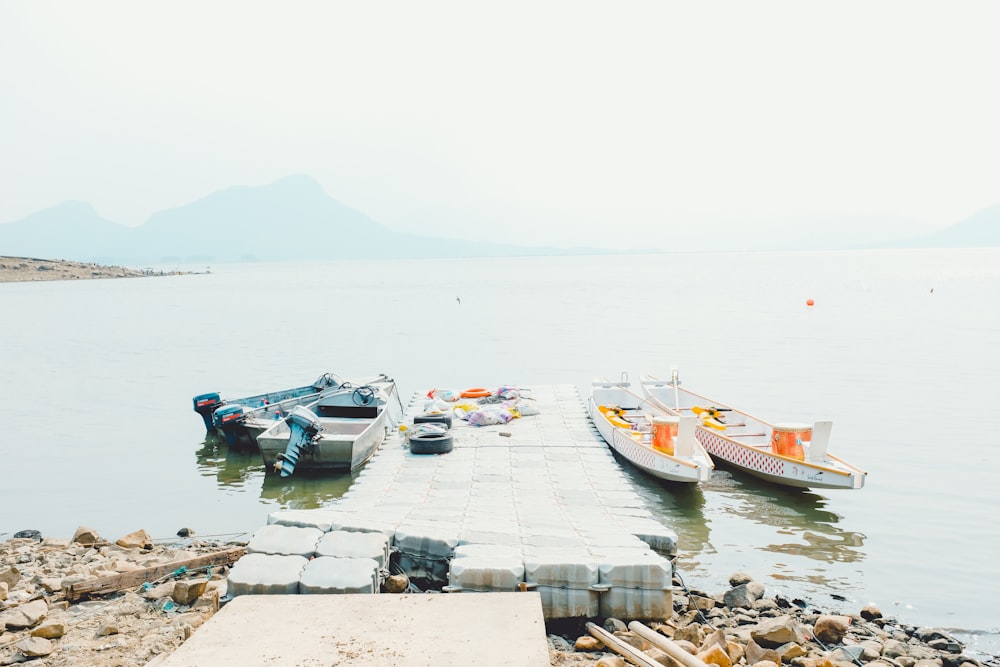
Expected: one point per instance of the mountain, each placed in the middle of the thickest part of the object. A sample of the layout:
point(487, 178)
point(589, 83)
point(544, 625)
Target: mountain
point(71, 230)
point(292, 218)
point(979, 229)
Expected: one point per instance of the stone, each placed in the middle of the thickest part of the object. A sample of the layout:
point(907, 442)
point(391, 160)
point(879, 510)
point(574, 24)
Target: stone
point(588, 643)
point(702, 603)
point(790, 651)
point(755, 653)
point(28, 535)
point(716, 655)
point(774, 632)
point(945, 645)
point(557, 643)
point(86, 536)
point(717, 638)
point(766, 663)
point(614, 625)
point(661, 656)
point(739, 579)
point(870, 612)
point(138, 539)
point(49, 630)
point(687, 646)
point(186, 592)
point(185, 532)
point(744, 596)
point(107, 629)
point(830, 628)
point(27, 615)
point(396, 583)
point(611, 661)
point(692, 633)
point(633, 639)
point(34, 647)
point(847, 653)
point(735, 651)
point(4, 589)
point(10, 576)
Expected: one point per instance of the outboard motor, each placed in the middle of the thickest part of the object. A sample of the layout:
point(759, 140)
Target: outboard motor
point(303, 428)
point(205, 405)
point(229, 420)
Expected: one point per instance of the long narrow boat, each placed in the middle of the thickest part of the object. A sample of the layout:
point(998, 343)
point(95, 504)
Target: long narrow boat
point(338, 432)
point(650, 438)
point(789, 454)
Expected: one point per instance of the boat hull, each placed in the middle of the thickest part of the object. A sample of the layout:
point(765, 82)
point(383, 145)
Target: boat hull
point(773, 468)
point(643, 456)
point(333, 451)
point(744, 442)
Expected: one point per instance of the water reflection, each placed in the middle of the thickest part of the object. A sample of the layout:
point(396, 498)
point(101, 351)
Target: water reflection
point(232, 467)
point(303, 491)
point(794, 513)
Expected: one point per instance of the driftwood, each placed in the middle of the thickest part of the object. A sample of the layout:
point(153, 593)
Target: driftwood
point(622, 648)
point(666, 645)
point(125, 580)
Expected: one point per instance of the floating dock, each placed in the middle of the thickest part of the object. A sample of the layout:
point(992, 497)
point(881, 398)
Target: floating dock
point(537, 504)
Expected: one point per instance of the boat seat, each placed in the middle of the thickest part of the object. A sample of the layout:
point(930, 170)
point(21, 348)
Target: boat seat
point(348, 411)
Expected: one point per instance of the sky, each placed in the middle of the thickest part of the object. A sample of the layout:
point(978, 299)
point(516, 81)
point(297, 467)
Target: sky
point(680, 124)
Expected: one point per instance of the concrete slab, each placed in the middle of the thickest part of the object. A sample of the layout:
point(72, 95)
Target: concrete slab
point(469, 629)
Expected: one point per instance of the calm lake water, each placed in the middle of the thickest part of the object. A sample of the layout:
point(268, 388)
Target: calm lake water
point(899, 350)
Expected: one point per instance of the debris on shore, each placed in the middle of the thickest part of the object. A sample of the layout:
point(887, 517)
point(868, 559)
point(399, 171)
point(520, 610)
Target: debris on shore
point(86, 601)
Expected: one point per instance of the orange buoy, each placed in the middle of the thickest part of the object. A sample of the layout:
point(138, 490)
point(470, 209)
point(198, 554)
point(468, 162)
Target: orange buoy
point(810, 302)
point(476, 392)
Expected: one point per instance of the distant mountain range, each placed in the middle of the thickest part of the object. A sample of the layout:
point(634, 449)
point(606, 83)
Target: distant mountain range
point(294, 219)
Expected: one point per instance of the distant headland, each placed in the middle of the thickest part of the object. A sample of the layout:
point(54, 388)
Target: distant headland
point(26, 269)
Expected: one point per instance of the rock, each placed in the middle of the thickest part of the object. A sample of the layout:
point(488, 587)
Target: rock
point(107, 629)
point(716, 655)
point(870, 612)
point(774, 632)
point(847, 653)
point(687, 646)
point(790, 651)
point(10, 576)
point(717, 638)
point(49, 631)
point(739, 579)
point(185, 532)
point(633, 639)
point(735, 652)
point(51, 584)
point(557, 643)
point(4, 589)
point(744, 596)
point(946, 645)
point(702, 603)
point(86, 536)
point(691, 633)
point(755, 654)
point(138, 539)
point(396, 583)
point(28, 534)
point(588, 643)
point(766, 663)
point(34, 647)
point(830, 629)
point(611, 661)
point(27, 615)
point(660, 656)
point(186, 592)
point(614, 625)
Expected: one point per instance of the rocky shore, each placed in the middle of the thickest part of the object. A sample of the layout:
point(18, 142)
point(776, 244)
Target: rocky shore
point(88, 601)
point(25, 269)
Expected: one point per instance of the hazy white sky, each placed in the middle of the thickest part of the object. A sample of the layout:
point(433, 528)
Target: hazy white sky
point(541, 122)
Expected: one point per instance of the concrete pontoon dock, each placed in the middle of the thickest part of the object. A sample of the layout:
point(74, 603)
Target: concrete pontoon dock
point(538, 504)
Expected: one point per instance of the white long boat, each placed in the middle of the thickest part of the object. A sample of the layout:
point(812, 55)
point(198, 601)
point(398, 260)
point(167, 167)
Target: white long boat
point(651, 439)
point(338, 432)
point(789, 454)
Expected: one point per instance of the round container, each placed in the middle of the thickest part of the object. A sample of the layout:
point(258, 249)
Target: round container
point(787, 439)
point(664, 433)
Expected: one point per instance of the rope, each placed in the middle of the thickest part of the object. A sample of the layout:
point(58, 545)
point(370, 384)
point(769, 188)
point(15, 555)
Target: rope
point(689, 594)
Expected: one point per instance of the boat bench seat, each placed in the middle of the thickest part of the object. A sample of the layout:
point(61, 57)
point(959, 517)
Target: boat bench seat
point(348, 411)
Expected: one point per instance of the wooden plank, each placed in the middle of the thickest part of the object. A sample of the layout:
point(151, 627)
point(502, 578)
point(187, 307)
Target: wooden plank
point(119, 582)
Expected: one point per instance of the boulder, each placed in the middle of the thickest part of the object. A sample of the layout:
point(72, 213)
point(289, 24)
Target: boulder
point(186, 592)
point(744, 596)
point(396, 583)
point(715, 655)
point(774, 632)
point(830, 628)
point(86, 536)
point(588, 643)
point(870, 612)
point(49, 630)
point(790, 651)
point(34, 647)
point(27, 615)
point(756, 653)
point(10, 576)
point(138, 539)
point(739, 579)
point(614, 625)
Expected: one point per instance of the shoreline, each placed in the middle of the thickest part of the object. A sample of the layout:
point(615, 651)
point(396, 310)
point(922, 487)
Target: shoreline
point(33, 269)
point(136, 615)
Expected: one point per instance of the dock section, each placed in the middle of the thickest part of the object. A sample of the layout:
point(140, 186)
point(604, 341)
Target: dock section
point(537, 504)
